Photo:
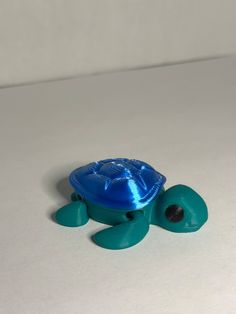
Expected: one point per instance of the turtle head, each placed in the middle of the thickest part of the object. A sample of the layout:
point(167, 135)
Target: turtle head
point(180, 209)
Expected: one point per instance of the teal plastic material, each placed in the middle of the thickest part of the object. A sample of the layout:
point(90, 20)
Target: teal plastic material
point(178, 209)
point(73, 215)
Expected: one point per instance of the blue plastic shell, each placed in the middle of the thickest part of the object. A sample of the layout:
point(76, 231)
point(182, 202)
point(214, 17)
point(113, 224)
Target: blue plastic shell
point(121, 183)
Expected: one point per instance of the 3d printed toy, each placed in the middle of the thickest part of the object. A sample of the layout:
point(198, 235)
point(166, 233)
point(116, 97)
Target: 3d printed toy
point(129, 195)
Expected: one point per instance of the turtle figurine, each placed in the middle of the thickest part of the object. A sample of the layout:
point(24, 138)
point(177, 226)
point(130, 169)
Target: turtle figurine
point(129, 195)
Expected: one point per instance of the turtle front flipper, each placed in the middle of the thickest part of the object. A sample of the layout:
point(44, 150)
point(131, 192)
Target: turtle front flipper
point(125, 234)
point(72, 215)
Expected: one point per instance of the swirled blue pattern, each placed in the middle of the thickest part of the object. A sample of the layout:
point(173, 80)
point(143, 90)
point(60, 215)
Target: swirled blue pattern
point(121, 183)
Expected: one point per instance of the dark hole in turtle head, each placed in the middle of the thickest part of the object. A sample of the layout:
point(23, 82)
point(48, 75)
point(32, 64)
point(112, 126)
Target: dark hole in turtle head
point(174, 213)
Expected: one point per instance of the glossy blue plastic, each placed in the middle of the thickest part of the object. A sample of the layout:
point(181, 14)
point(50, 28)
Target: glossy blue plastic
point(122, 184)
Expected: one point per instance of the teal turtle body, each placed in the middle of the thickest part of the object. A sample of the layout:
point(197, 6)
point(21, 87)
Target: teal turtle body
point(129, 195)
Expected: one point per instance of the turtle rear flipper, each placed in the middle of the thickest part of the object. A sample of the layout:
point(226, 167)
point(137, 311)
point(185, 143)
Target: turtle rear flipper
point(72, 215)
point(125, 234)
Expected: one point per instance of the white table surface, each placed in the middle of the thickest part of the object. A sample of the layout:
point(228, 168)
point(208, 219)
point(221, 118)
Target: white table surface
point(182, 120)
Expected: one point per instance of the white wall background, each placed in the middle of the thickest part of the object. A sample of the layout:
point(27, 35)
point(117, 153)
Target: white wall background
point(47, 39)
